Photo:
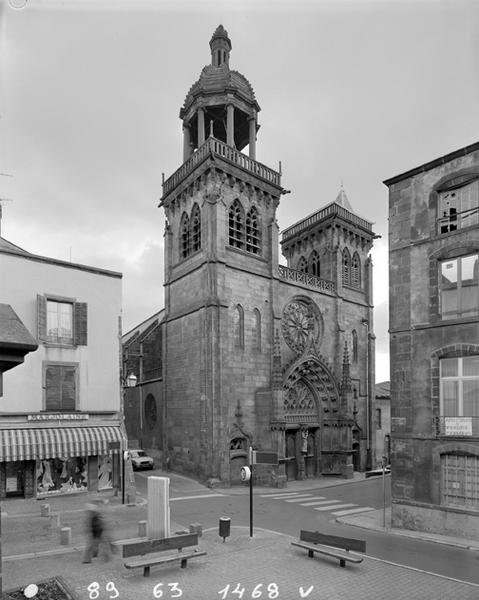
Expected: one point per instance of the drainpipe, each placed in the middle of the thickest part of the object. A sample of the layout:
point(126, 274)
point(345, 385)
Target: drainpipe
point(365, 322)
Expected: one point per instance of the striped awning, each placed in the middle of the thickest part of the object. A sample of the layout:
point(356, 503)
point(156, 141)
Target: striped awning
point(58, 442)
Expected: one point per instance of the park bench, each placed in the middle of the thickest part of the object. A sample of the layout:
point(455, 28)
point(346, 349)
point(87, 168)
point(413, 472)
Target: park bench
point(147, 551)
point(313, 541)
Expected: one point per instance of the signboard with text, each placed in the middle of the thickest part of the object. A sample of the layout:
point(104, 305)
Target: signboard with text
point(458, 426)
point(265, 458)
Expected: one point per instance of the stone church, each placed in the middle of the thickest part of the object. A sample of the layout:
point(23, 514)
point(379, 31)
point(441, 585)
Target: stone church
point(248, 351)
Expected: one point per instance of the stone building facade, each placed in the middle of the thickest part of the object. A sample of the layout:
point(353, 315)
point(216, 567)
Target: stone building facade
point(255, 353)
point(434, 327)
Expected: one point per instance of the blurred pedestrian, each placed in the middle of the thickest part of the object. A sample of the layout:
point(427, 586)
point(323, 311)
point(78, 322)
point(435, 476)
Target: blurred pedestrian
point(97, 537)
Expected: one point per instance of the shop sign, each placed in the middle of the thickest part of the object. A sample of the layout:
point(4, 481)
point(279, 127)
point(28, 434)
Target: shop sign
point(458, 426)
point(58, 417)
point(12, 484)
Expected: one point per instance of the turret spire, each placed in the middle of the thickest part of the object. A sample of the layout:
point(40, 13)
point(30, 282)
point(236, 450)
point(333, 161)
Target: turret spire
point(220, 45)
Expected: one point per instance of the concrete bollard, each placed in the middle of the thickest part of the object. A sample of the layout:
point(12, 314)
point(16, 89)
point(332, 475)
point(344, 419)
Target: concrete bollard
point(54, 519)
point(142, 528)
point(130, 497)
point(45, 510)
point(196, 528)
point(65, 536)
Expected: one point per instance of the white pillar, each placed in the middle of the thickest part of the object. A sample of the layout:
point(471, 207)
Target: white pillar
point(158, 507)
point(230, 125)
point(201, 127)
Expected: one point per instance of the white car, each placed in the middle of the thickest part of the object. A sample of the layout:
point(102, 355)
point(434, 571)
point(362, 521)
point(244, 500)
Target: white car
point(140, 460)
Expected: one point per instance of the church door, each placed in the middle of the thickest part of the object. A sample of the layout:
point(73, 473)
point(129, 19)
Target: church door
point(291, 464)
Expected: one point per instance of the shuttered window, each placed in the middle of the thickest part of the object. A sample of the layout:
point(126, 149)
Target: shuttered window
point(62, 322)
point(60, 387)
point(460, 480)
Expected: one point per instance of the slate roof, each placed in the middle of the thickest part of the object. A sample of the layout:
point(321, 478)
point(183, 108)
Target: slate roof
point(383, 390)
point(13, 333)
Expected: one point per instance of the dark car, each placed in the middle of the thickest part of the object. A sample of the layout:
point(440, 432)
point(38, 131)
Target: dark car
point(140, 460)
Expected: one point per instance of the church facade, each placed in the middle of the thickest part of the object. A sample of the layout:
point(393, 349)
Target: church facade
point(256, 353)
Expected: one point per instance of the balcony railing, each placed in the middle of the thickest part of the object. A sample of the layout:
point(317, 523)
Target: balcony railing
point(300, 277)
point(212, 146)
point(458, 220)
point(457, 426)
point(331, 209)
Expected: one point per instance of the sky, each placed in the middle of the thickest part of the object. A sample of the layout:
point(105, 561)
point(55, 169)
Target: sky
point(90, 91)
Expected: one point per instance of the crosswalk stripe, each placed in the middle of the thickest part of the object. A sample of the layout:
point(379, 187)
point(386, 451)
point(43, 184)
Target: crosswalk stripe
point(298, 499)
point(341, 513)
point(327, 502)
point(317, 501)
point(286, 498)
point(283, 495)
point(334, 507)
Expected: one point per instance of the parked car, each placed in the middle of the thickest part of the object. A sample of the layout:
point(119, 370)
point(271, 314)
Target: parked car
point(140, 460)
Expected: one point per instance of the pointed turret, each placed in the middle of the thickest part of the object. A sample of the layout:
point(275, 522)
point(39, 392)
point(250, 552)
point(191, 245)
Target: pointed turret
point(220, 45)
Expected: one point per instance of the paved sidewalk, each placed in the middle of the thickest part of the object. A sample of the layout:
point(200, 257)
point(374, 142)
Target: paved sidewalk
point(267, 563)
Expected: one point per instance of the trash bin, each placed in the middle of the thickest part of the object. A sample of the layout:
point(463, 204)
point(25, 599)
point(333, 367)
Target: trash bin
point(225, 526)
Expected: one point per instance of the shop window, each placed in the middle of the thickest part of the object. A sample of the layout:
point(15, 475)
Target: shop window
point(458, 207)
point(59, 475)
point(252, 232)
point(236, 225)
point(105, 480)
point(459, 287)
point(460, 480)
point(459, 386)
point(62, 321)
point(60, 387)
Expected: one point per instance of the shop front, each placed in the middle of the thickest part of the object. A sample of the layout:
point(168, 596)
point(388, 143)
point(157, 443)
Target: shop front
point(59, 460)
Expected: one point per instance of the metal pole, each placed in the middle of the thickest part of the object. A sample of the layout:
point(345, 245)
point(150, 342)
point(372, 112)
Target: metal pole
point(123, 478)
point(384, 492)
point(251, 492)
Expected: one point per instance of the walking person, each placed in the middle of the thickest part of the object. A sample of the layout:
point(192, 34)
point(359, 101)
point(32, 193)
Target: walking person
point(95, 529)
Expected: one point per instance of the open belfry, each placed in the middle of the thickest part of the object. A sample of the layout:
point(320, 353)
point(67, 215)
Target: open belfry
point(254, 352)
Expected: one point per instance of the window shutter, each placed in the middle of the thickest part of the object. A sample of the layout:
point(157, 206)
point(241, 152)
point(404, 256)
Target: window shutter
point(81, 318)
point(53, 388)
point(41, 318)
point(68, 388)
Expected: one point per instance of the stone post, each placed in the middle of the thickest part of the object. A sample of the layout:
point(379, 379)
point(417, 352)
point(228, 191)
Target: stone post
point(186, 142)
point(230, 125)
point(158, 507)
point(252, 138)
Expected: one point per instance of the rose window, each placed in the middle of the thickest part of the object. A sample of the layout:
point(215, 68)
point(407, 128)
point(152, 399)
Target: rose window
point(300, 325)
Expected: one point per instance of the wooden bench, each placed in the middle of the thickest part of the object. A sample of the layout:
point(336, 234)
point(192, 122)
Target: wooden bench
point(142, 548)
point(328, 545)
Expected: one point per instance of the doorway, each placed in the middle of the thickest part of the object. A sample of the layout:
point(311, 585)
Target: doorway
point(291, 462)
point(15, 478)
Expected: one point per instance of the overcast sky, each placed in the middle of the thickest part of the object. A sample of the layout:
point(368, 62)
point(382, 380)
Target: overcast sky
point(91, 90)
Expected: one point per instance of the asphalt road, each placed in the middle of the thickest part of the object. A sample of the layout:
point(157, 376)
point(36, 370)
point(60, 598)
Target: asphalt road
point(284, 515)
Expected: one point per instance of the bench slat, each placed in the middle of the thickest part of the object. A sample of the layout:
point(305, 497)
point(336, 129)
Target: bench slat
point(340, 556)
point(147, 547)
point(157, 560)
point(315, 537)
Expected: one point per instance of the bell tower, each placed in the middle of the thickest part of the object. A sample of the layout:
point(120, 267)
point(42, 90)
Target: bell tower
point(221, 261)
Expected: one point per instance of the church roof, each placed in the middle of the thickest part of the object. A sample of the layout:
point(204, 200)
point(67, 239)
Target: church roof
point(218, 79)
point(6, 245)
point(342, 200)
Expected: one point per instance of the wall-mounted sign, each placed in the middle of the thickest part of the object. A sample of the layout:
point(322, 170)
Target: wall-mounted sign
point(12, 484)
point(265, 458)
point(245, 474)
point(458, 426)
point(58, 417)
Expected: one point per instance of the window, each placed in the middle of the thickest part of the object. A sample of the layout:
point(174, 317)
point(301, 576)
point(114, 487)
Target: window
point(460, 480)
point(346, 267)
point(252, 231)
point(354, 337)
point(236, 225)
point(356, 271)
point(184, 236)
point(302, 265)
point(459, 287)
point(459, 386)
point(458, 207)
point(60, 322)
point(60, 387)
point(195, 228)
point(238, 327)
point(314, 264)
point(256, 329)
point(378, 418)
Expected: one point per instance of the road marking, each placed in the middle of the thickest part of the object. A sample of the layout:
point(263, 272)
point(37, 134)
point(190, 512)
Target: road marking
point(334, 507)
point(327, 502)
point(283, 495)
point(351, 511)
point(194, 497)
point(317, 501)
point(299, 498)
